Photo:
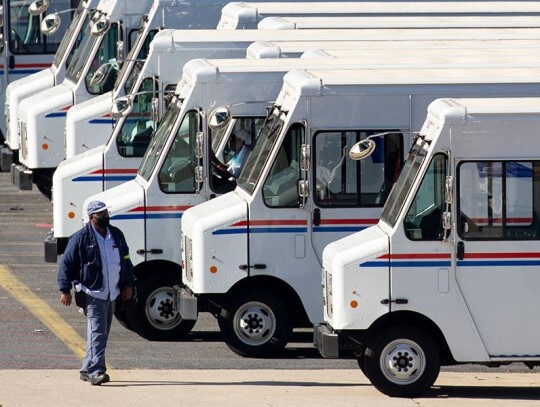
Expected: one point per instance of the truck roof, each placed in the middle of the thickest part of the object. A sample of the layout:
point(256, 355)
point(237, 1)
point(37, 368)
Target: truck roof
point(462, 21)
point(457, 110)
point(392, 7)
point(170, 37)
point(277, 49)
point(316, 81)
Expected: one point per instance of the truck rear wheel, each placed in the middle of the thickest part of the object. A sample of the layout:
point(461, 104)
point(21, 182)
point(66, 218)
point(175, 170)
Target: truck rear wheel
point(256, 324)
point(402, 362)
point(153, 317)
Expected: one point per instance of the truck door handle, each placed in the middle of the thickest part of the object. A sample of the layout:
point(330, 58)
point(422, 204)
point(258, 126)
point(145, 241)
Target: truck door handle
point(151, 251)
point(316, 217)
point(11, 62)
point(460, 254)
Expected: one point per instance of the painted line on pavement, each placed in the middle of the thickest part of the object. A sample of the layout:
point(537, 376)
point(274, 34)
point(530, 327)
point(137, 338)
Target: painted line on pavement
point(42, 311)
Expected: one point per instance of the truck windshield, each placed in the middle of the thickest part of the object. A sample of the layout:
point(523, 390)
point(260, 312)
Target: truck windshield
point(164, 129)
point(71, 31)
point(261, 150)
point(24, 34)
point(139, 53)
point(408, 174)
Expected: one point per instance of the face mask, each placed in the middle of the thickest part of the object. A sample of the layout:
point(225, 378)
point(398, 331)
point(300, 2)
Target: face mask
point(102, 222)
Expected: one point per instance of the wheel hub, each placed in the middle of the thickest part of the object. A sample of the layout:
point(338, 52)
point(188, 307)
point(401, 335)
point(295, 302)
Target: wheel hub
point(160, 311)
point(254, 323)
point(403, 361)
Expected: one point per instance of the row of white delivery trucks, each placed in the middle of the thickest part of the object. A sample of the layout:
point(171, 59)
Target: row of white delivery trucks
point(232, 182)
point(33, 123)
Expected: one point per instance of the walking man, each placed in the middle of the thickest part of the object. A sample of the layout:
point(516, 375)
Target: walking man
point(96, 264)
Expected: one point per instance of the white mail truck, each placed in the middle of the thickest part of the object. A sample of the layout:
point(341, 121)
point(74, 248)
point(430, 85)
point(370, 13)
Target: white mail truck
point(450, 273)
point(253, 256)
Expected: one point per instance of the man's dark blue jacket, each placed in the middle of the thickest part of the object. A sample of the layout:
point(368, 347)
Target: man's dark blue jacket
point(82, 261)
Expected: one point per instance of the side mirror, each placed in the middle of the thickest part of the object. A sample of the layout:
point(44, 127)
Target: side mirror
point(305, 157)
point(219, 118)
point(120, 50)
point(101, 26)
point(100, 74)
point(50, 24)
point(362, 149)
point(37, 7)
point(121, 107)
point(199, 137)
point(1, 16)
point(448, 197)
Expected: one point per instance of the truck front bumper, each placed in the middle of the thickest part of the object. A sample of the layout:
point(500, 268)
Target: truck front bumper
point(54, 247)
point(185, 302)
point(7, 157)
point(21, 177)
point(326, 341)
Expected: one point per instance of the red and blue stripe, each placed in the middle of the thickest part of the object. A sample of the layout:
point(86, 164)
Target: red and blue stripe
point(114, 174)
point(153, 212)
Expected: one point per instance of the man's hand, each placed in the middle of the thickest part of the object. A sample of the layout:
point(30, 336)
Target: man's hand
point(65, 299)
point(127, 293)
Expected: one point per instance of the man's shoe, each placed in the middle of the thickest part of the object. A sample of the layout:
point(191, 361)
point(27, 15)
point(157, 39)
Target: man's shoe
point(99, 378)
point(84, 377)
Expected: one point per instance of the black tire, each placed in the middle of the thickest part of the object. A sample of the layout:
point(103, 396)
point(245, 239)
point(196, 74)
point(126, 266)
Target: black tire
point(121, 317)
point(403, 361)
point(256, 324)
point(361, 360)
point(153, 316)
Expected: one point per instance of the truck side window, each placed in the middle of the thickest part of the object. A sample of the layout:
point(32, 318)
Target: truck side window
point(423, 219)
point(138, 127)
point(280, 189)
point(177, 174)
point(341, 182)
point(499, 200)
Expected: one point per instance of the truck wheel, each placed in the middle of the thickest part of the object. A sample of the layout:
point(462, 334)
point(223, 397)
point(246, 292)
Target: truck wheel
point(153, 317)
point(402, 362)
point(256, 325)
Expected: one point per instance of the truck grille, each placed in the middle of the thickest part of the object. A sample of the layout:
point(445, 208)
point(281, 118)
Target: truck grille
point(188, 258)
point(328, 304)
point(24, 139)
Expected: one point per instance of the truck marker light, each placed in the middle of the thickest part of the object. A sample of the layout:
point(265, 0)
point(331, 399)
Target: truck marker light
point(45, 146)
point(354, 304)
point(213, 269)
point(71, 215)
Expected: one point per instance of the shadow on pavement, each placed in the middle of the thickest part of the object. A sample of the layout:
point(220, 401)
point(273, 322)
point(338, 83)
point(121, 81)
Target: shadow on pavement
point(483, 392)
